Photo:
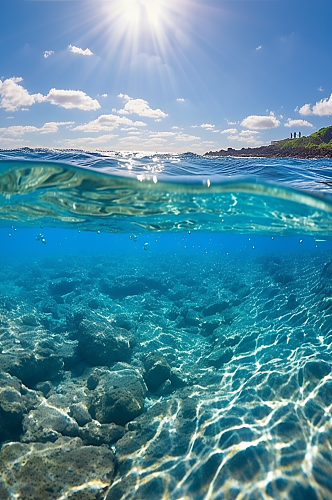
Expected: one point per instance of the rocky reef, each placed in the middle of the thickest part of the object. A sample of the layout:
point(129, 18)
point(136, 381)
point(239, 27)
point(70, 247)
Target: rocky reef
point(152, 379)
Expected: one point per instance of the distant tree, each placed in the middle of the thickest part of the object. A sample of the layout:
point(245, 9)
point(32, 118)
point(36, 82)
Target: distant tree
point(300, 135)
point(294, 135)
point(291, 135)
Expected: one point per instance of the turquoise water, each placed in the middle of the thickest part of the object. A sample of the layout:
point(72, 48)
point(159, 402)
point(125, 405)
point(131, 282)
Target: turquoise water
point(165, 327)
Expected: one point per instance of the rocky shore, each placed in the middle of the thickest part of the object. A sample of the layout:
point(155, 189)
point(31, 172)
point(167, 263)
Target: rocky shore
point(274, 151)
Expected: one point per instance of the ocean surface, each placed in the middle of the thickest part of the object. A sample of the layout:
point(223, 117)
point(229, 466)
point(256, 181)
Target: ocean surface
point(165, 327)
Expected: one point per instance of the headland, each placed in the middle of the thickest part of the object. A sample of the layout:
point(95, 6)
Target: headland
point(316, 145)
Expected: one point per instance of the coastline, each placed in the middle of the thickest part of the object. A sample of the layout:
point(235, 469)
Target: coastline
point(273, 151)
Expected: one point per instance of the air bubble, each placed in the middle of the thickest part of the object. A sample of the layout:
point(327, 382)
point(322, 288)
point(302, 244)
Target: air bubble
point(146, 246)
point(41, 237)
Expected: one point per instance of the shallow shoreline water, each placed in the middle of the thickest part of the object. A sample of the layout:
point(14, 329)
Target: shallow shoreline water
point(177, 361)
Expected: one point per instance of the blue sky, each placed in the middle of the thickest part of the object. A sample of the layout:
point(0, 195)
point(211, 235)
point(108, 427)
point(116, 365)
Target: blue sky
point(163, 75)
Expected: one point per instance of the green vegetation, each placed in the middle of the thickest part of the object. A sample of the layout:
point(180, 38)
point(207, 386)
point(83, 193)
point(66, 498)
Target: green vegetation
point(322, 139)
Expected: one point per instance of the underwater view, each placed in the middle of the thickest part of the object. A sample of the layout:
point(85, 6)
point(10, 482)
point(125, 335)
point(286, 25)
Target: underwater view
point(165, 327)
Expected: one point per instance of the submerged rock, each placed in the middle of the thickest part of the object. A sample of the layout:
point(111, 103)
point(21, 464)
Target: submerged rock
point(119, 396)
point(99, 434)
point(101, 344)
point(119, 406)
point(44, 387)
point(15, 402)
point(62, 286)
point(157, 371)
point(215, 308)
point(219, 357)
point(80, 413)
point(48, 423)
point(125, 286)
point(65, 469)
point(327, 270)
point(32, 366)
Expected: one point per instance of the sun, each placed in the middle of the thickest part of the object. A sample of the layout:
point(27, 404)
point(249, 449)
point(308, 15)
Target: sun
point(143, 12)
point(131, 28)
point(137, 24)
point(145, 37)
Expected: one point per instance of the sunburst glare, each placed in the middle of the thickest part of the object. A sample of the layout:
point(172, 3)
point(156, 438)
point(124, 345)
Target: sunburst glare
point(143, 12)
point(138, 23)
point(141, 32)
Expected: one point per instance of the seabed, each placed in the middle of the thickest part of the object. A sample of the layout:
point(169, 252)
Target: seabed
point(173, 370)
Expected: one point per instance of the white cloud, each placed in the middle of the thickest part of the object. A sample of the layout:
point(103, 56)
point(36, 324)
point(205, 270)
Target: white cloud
point(10, 140)
point(259, 47)
point(104, 95)
point(321, 108)
point(48, 53)
point(180, 99)
point(256, 122)
point(248, 133)
point(250, 140)
point(230, 123)
point(14, 96)
point(78, 50)
point(186, 138)
point(108, 123)
point(19, 130)
point(320, 88)
point(88, 142)
point(162, 134)
point(71, 99)
point(297, 123)
point(304, 110)
point(207, 126)
point(229, 131)
point(139, 107)
point(130, 129)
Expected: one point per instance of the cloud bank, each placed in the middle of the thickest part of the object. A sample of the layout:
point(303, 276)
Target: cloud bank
point(19, 130)
point(14, 97)
point(108, 123)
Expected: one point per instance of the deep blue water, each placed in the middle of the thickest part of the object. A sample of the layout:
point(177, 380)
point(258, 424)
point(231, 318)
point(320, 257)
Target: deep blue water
point(165, 327)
